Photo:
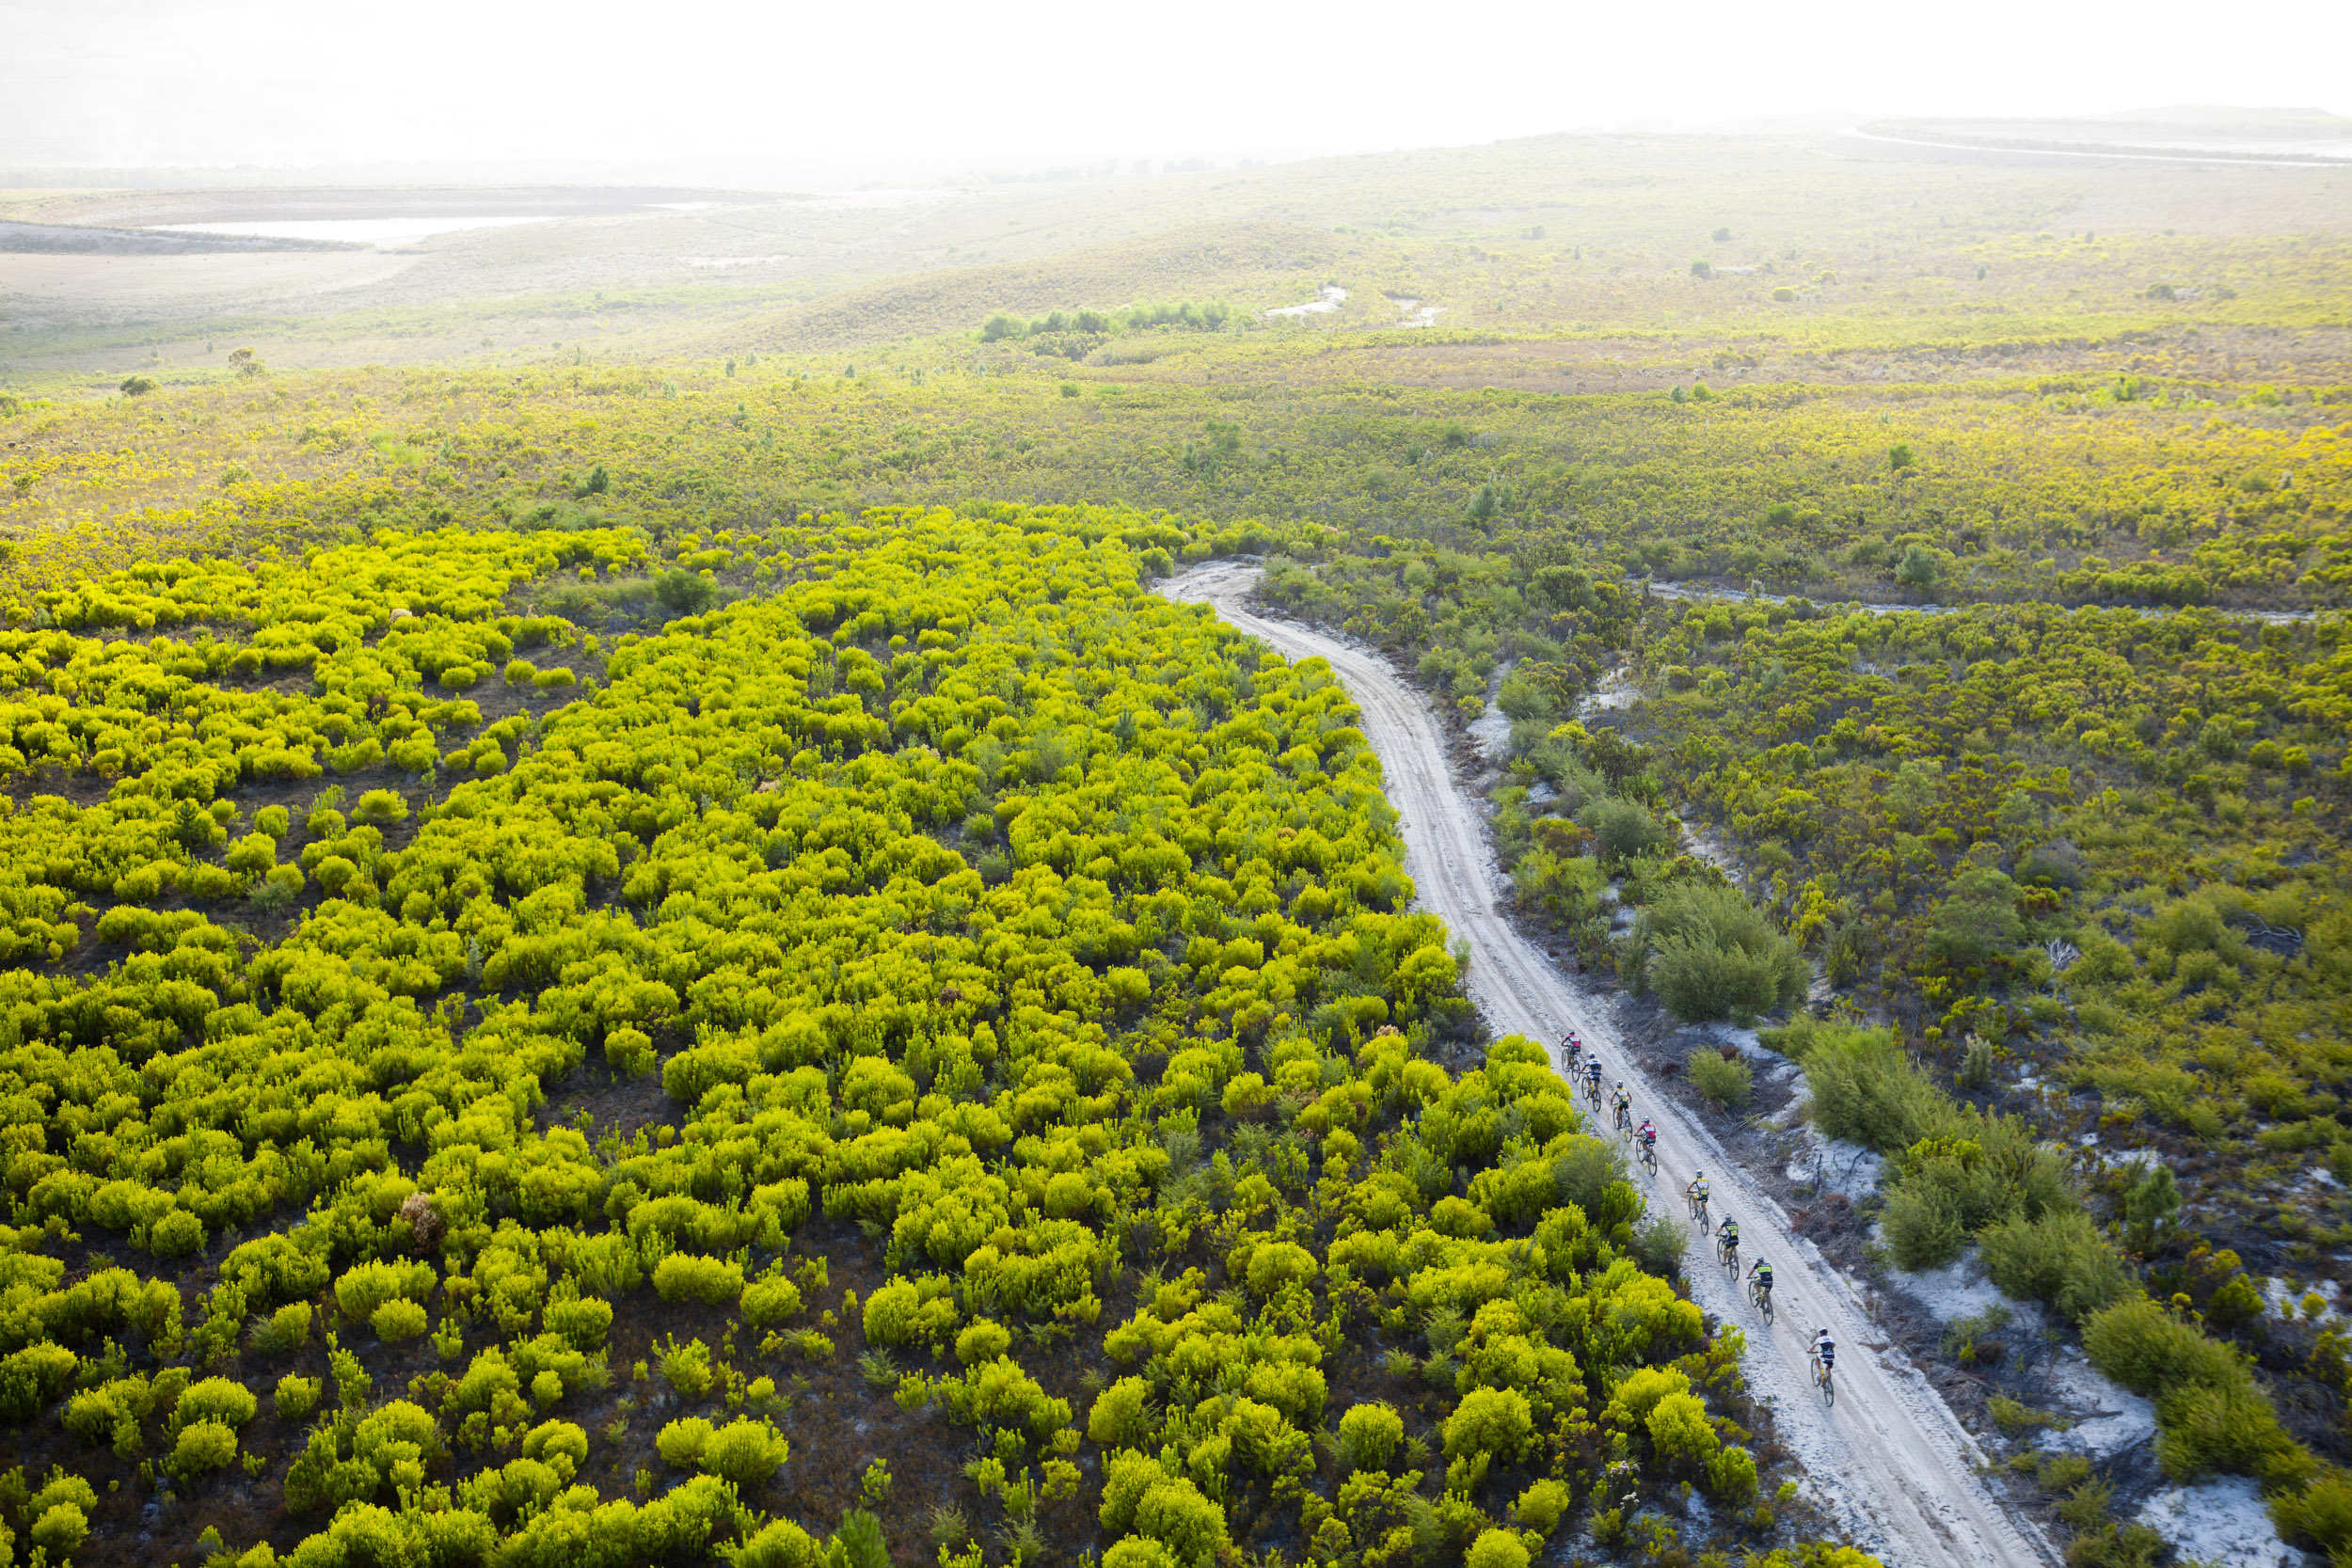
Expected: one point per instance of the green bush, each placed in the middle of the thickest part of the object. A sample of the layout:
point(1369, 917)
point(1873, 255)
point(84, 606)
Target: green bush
point(2204, 1428)
point(681, 1442)
point(62, 1528)
point(1679, 1429)
point(382, 808)
point(905, 1311)
point(297, 1397)
point(1921, 1231)
point(285, 1330)
point(251, 855)
point(1274, 1264)
point(685, 1277)
point(983, 1341)
point(1496, 1548)
point(859, 1544)
point(1591, 1173)
point(1495, 1421)
point(1866, 1091)
point(180, 1232)
point(1126, 1477)
point(549, 1439)
point(744, 1451)
point(399, 1320)
point(584, 1320)
point(1709, 953)
point(1623, 828)
point(2060, 1260)
point(367, 1286)
point(1542, 1505)
point(687, 1368)
point(2319, 1516)
point(1731, 1476)
point(630, 1052)
point(1369, 1435)
point(2149, 1351)
point(1190, 1526)
point(1137, 1551)
point(31, 1377)
point(1725, 1081)
point(781, 1544)
point(1120, 1416)
point(201, 1446)
point(1659, 1241)
point(684, 592)
point(766, 1302)
point(216, 1398)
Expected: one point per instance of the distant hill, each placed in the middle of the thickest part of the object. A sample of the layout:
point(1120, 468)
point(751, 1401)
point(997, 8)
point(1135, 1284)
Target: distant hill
point(2198, 132)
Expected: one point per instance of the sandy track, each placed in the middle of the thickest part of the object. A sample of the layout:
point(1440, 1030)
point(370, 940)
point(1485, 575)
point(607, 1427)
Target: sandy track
point(1888, 1459)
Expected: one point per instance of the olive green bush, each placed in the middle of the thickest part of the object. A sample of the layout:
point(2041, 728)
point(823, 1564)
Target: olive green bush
point(1725, 1081)
point(1866, 1091)
point(1709, 953)
point(2059, 1258)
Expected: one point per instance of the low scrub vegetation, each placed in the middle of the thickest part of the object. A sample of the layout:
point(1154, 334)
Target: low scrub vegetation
point(998, 997)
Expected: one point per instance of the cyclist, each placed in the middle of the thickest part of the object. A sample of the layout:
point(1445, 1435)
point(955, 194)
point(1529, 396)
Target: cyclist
point(1824, 1352)
point(1727, 1240)
point(1574, 1051)
point(1624, 1103)
point(1696, 1192)
point(1646, 1135)
point(1760, 1275)
point(1592, 1079)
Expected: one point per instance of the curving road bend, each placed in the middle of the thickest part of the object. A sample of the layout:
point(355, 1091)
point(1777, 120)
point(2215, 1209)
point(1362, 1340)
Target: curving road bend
point(1888, 1459)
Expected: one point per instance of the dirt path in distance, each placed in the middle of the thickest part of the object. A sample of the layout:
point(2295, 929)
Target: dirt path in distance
point(1888, 1459)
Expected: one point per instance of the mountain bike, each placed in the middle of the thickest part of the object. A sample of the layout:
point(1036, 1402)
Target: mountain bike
point(1649, 1152)
point(1592, 1092)
point(1625, 1120)
point(1727, 1254)
point(1760, 1297)
point(1698, 1209)
point(1825, 1379)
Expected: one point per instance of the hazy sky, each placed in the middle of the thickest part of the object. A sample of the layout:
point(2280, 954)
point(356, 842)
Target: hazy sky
point(300, 82)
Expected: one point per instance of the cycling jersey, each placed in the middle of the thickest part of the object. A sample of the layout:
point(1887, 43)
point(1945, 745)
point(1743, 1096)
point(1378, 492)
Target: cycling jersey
point(1825, 1349)
point(1697, 1189)
point(1729, 1231)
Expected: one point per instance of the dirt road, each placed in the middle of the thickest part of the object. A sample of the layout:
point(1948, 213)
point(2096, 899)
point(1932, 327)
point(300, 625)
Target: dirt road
point(1887, 1458)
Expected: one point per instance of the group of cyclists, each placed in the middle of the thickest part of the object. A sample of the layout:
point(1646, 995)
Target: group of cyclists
point(1822, 1349)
